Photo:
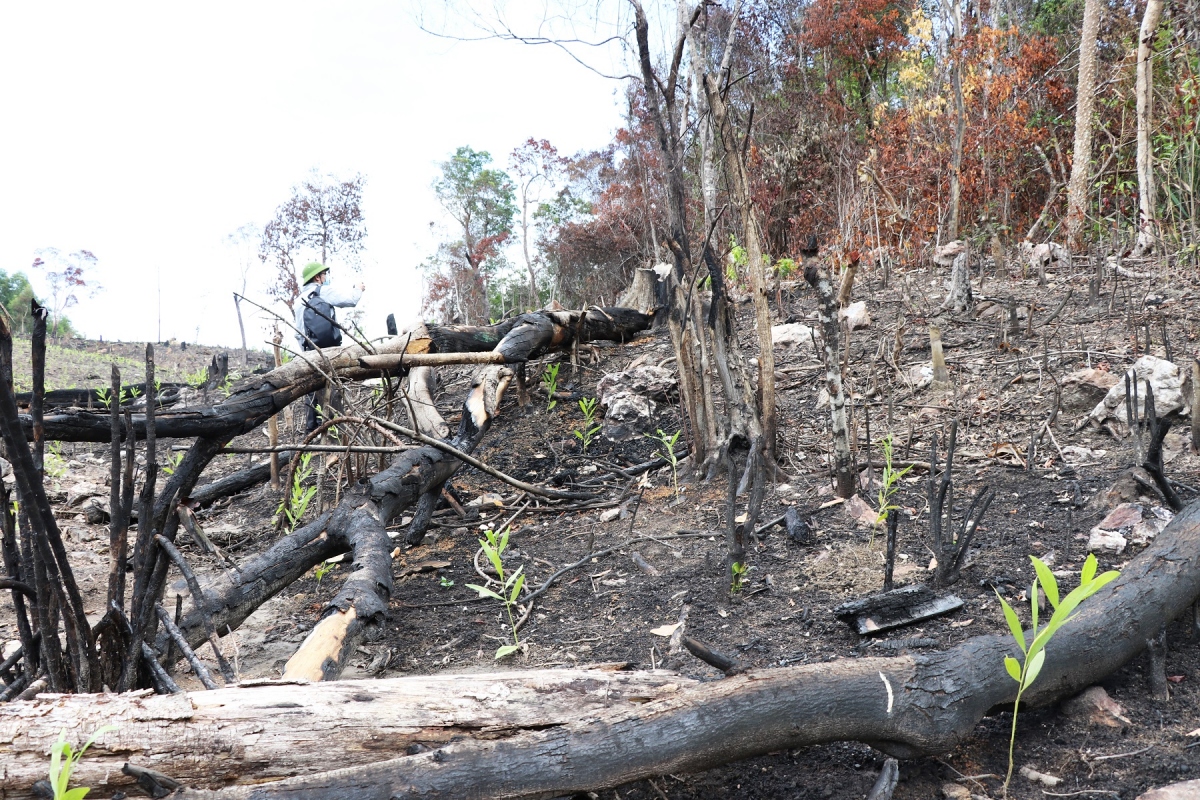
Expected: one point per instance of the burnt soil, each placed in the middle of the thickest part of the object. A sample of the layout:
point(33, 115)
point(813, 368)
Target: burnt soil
point(604, 611)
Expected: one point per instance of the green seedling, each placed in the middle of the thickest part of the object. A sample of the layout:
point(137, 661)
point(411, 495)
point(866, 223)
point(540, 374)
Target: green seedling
point(446, 582)
point(198, 378)
point(587, 434)
point(63, 759)
point(668, 452)
point(299, 496)
point(322, 569)
point(172, 463)
point(739, 570)
point(784, 268)
point(226, 388)
point(493, 547)
point(1025, 671)
point(55, 466)
point(550, 383)
point(888, 481)
point(105, 396)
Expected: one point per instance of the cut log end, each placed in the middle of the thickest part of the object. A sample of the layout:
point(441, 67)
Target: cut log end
point(321, 653)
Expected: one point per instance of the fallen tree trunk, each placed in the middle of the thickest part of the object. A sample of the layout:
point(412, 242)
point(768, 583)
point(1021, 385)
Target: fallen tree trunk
point(258, 398)
point(906, 706)
point(235, 482)
point(276, 730)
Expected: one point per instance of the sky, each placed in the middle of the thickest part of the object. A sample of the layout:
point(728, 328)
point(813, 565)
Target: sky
point(148, 133)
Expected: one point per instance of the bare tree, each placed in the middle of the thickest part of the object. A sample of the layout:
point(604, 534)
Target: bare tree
point(1085, 103)
point(535, 164)
point(66, 279)
point(1147, 221)
point(322, 218)
point(243, 240)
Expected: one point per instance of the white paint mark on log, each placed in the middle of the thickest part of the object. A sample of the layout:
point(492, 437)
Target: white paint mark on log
point(887, 685)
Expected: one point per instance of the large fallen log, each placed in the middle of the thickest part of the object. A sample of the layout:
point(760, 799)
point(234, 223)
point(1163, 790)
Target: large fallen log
point(259, 397)
point(276, 730)
point(906, 706)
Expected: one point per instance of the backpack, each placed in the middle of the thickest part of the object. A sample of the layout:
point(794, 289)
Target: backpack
point(319, 324)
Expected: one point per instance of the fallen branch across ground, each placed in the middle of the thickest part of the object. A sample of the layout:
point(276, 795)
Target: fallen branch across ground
point(906, 706)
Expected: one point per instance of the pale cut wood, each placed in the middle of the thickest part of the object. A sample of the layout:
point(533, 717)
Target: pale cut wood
point(275, 730)
point(399, 360)
point(422, 411)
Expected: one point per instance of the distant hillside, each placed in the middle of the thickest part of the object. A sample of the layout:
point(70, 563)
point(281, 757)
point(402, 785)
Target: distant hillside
point(87, 364)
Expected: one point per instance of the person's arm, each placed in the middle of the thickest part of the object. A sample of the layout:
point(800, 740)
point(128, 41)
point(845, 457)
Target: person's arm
point(299, 308)
point(342, 297)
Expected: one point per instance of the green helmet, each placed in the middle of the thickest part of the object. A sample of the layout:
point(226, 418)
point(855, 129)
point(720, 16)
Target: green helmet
point(312, 270)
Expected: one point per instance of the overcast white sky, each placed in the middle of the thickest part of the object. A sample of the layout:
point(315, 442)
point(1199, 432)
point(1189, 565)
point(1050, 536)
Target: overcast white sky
point(148, 132)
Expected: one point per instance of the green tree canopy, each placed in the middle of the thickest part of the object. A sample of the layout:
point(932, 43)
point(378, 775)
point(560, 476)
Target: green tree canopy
point(483, 203)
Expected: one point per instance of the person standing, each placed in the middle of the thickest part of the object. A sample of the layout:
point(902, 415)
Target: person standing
point(316, 321)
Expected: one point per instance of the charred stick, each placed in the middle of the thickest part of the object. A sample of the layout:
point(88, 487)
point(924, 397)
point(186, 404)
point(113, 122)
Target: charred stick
point(153, 783)
point(14, 689)
point(931, 500)
point(13, 567)
point(1159, 428)
point(162, 681)
point(423, 515)
point(198, 602)
point(18, 586)
point(711, 657)
point(12, 660)
point(152, 576)
point(177, 637)
point(889, 563)
point(46, 536)
point(1156, 649)
point(116, 532)
point(982, 500)
point(171, 642)
point(38, 397)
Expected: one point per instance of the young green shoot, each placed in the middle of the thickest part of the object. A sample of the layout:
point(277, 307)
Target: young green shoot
point(667, 451)
point(888, 481)
point(550, 383)
point(587, 434)
point(739, 570)
point(1025, 671)
point(299, 496)
point(105, 396)
point(322, 569)
point(510, 584)
point(445, 582)
point(55, 466)
point(172, 463)
point(63, 759)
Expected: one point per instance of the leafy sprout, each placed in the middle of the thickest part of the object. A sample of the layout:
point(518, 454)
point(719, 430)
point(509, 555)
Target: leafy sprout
point(493, 547)
point(1026, 670)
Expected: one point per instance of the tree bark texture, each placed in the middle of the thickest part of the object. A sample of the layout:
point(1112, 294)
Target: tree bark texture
point(906, 706)
point(739, 189)
point(827, 313)
point(1147, 220)
point(683, 319)
point(959, 297)
point(1085, 104)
